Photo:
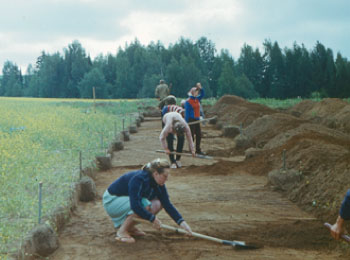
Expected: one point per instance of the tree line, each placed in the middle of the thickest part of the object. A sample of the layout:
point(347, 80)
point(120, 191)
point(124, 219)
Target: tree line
point(135, 70)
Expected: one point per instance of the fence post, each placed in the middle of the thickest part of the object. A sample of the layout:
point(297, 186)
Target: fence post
point(284, 159)
point(102, 141)
point(80, 164)
point(123, 123)
point(94, 96)
point(40, 201)
point(115, 129)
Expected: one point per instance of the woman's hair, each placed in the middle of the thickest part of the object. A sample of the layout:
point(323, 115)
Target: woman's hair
point(178, 127)
point(156, 165)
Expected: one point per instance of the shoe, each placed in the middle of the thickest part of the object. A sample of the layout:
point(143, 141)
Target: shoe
point(178, 164)
point(200, 153)
point(173, 166)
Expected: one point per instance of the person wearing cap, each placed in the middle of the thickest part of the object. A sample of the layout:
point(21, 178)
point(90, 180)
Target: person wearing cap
point(140, 194)
point(162, 90)
point(175, 124)
point(192, 114)
point(169, 100)
point(338, 228)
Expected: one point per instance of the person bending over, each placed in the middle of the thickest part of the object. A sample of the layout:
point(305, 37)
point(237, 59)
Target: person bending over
point(140, 193)
point(175, 124)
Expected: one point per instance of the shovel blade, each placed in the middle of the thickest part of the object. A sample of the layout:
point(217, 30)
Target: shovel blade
point(241, 245)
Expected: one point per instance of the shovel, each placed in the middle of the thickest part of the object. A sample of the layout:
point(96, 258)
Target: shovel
point(202, 121)
point(234, 244)
point(188, 154)
point(344, 237)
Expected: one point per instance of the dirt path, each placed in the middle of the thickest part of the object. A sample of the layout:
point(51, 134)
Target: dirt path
point(231, 205)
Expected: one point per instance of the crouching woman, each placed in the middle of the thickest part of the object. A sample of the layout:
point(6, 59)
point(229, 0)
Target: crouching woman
point(140, 193)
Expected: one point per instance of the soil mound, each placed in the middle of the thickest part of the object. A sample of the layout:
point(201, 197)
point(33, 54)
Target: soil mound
point(331, 112)
point(266, 127)
point(301, 108)
point(312, 144)
point(235, 110)
point(322, 157)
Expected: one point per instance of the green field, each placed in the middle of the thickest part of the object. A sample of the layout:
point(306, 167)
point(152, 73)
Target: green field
point(40, 142)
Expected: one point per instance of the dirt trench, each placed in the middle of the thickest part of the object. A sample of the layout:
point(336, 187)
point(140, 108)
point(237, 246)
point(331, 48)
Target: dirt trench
point(214, 197)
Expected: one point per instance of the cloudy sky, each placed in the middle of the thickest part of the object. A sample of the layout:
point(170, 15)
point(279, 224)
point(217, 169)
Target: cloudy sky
point(28, 27)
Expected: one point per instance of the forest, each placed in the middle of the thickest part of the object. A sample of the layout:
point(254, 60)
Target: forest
point(135, 70)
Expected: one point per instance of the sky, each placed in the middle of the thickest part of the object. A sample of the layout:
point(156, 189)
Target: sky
point(28, 27)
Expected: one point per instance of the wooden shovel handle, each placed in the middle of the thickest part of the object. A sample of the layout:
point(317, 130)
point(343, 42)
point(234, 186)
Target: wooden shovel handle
point(189, 155)
point(345, 237)
point(200, 121)
point(182, 231)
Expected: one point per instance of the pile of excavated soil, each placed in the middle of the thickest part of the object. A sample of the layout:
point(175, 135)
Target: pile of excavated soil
point(263, 129)
point(315, 138)
point(331, 112)
point(299, 109)
point(233, 110)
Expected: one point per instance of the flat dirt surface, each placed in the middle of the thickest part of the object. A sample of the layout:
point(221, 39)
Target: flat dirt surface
point(215, 197)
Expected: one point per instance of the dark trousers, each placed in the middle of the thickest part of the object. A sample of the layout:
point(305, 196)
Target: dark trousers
point(196, 134)
point(179, 146)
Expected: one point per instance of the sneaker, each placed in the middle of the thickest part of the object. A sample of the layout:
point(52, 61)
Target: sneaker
point(200, 153)
point(178, 164)
point(173, 166)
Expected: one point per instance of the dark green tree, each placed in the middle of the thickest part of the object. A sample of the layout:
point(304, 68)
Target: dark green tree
point(227, 80)
point(11, 81)
point(244, 88)
point(77, 64)
point(93, 79)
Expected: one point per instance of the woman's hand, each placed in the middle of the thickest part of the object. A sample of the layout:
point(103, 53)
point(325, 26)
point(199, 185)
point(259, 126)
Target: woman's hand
point(193, 154)
point(338, 229)
point(157, 224)
point(186, 227)
point(167, 151)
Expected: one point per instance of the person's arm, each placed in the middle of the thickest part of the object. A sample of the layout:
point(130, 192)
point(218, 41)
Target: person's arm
point(164, 110)
point(188, 111)
point(170, 86)
point(162, 137)
point(162, 195)
point(135, 189)
point(345, 207)
point(344, 214)
point(201, 94)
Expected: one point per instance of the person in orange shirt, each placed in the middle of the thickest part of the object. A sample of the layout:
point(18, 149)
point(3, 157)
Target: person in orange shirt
point(192, 114)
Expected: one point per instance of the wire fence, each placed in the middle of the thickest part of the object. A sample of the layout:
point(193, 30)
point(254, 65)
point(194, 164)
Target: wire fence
point(31, 192)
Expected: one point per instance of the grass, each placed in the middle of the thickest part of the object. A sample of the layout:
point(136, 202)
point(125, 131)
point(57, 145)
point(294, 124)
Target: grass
point(40, 142)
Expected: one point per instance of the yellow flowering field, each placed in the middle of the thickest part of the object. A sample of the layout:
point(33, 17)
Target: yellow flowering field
point(40, 140)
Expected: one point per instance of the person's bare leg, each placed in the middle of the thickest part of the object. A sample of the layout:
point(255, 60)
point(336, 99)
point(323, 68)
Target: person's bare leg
point(156, 206)
point(123, 233)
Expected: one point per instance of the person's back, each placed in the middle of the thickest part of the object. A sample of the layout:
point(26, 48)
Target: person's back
point(169, 100)
point(162, 90)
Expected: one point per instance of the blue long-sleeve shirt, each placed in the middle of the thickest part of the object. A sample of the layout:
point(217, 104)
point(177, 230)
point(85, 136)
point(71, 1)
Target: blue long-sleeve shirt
point(192, 106)
point(139, 184)
point(345, 207)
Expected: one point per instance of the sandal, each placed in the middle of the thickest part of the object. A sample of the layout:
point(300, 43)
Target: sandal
point(137, 233)
point(125, 239)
